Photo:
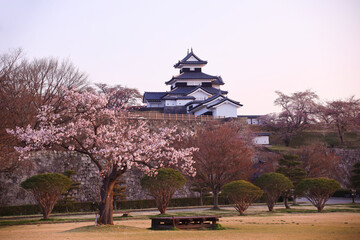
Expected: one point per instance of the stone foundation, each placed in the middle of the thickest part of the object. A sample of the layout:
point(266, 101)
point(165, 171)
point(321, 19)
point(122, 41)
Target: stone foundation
point(86, 174)
point(50, 162)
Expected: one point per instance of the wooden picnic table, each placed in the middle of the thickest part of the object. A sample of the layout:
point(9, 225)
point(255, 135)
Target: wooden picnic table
point(185, 222)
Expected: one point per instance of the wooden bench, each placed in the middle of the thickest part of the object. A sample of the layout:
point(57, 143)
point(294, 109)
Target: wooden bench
point(184, 222)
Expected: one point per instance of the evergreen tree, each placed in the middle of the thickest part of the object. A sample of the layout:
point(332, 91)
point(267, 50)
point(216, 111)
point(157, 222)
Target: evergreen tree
point(289, 166)
point(47, 188)
point(68, 197)
point(162, 185)
point(355, 179)
point(202, 189)
point(274, 185)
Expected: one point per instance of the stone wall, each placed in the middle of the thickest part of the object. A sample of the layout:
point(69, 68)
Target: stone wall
point(86, 174)
point(45, 162)
point(348, 157)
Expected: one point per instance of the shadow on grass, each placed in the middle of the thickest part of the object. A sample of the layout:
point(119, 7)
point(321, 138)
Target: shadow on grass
point(103, 228)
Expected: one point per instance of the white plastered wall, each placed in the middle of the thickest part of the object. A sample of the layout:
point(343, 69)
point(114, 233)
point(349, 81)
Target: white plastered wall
point(182, 102)
point(262, 140)
point(170, 103)
point(155, 104)
point(225, 110)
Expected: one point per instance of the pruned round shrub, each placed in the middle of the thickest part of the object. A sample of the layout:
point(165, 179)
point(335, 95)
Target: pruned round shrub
point(47, 188)
point(162, 185)
point(317, 190)
point(273, 185)
point(242, 194)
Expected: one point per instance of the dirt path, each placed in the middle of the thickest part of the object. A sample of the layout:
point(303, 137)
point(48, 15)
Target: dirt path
point(287, 226)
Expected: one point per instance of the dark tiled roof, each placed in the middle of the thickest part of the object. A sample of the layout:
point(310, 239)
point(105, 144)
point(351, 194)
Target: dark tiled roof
point(219, 81)
point(189, 55)
point(194, 102)
point(208, 100)
point(224, 100)
point(262, 134)
point(196, 75)
point(153, 96)
point(221, 101)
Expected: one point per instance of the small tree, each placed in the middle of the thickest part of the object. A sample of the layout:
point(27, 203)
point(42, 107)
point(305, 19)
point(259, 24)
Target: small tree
point(319, 161)
point(288, 165)
point(242, 193)
point(225, 155)
point(274, 185)
point(318, 190)
point(47, 188)
point(162, 185)
point(67, 196)
point(355, 179)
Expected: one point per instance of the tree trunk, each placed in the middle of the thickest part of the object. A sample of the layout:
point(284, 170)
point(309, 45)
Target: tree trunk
point(46, 202)
point(46, 213)
point(319, 208)
point(201, 198)
point(216, 200)
point(162, 202)
point(287, 141)
point(342, 140)
point(286, 202)
point(106, 203)
point(270, 206)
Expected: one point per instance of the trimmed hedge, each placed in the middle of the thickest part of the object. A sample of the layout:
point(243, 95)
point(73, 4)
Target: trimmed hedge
point(133, 204)
point(91, 206)
point(342, 193)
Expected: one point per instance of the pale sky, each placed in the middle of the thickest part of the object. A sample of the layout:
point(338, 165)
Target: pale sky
point(257, 47)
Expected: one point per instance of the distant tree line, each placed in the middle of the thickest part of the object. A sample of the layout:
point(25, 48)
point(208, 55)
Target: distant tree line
point(302, 110)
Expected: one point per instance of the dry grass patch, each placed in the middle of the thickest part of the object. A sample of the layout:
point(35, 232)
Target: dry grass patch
point(280, 226)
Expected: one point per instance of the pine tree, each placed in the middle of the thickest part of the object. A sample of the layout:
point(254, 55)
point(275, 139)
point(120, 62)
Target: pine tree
point(202, 189)
point(67, 197)
point(355, 180)
point(289, 166)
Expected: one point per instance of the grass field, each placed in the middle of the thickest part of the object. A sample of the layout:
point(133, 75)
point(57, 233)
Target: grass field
point(285, 226)
point(303, 222)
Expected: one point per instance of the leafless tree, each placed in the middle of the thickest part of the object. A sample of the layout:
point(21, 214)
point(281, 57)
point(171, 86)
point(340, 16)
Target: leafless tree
point(223, 156)
point(121, 96)
point(319, 161)
point(25, 85)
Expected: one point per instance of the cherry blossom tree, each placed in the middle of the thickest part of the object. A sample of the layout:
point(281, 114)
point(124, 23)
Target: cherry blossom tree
point(297, 112)
point(113, 142)
point(343, 115)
